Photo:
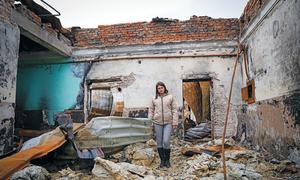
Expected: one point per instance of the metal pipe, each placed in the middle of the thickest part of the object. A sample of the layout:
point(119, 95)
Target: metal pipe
point(100, 59)
point(156, 57)
point(245, 59)
point(43, 15)
point(227, 113)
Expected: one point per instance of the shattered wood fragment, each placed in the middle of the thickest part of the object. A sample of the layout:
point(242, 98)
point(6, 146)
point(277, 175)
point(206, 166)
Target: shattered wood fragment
point(191, 151)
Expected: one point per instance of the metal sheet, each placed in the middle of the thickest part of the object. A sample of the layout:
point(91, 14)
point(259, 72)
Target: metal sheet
point(38, 147)
point(111, 132)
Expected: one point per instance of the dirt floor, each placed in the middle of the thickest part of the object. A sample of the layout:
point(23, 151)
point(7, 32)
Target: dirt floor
point(140, 161)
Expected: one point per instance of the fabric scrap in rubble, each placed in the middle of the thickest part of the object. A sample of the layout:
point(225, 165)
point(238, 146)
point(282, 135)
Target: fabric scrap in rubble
point(200, 131)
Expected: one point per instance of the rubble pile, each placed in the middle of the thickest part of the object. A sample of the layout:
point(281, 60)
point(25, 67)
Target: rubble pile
point(188, 161)
point(93, 153)
point(68, 173)
point(239, 171)
point(31, 172)
point(140, 154)
point(201, 166)
point(105, 169)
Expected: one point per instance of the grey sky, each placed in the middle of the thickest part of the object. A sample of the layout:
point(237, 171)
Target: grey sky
point(91, 13)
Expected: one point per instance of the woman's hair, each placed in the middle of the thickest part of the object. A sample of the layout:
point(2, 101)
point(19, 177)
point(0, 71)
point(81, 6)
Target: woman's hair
point(160, 84)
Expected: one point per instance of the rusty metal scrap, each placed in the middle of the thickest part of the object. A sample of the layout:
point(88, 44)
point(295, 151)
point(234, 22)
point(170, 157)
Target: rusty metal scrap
point(51, 141)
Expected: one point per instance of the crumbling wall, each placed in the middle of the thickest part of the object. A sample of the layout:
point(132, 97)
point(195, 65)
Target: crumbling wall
point(5, 9)
point(201, 47)
point(158, 30)
point(9, 45)
point(219, 103)
point(50, 87)
point(251, 10)
point(144, 72)
point(272, 39)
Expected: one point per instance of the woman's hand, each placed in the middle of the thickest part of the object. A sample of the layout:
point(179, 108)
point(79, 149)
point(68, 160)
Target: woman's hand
point(174, 126)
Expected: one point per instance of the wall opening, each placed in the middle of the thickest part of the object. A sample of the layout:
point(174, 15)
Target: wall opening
point(248, 92)
point(42, 79)
point(196, 102)
point(104, 98)
point(27, 116)
point(101, 101)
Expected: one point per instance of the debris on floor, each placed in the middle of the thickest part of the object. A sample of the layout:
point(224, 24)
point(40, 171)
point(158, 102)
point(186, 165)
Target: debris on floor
point(140, 154)
point(139, 160)
point(201, 166)
point(106, 169)
point(200, 131)
point(33, 149)
point(68, 173)
point(31, 172)
point(239, 171)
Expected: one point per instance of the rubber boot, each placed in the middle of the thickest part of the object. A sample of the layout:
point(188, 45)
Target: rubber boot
point(167, 157)
point(161, 156)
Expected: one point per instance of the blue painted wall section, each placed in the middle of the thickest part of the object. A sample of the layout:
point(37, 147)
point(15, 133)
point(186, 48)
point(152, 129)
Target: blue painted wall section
point(50, 87)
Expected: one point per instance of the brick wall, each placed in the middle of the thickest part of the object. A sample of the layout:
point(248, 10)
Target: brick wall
point(5, 9)
point(250, 11)
point(159, 30)
point(87, 37)
point(29, 14)
point(33, 17)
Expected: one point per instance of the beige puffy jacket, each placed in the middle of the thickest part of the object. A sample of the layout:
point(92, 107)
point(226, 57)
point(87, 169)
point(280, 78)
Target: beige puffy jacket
point(163, 110)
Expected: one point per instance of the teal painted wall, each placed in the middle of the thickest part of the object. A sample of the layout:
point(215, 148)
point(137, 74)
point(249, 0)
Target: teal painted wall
point(51, 87)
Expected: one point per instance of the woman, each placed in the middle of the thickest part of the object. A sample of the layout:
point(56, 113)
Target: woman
point(163, 113)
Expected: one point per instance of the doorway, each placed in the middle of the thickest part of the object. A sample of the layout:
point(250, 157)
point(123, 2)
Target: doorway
point(196, 102)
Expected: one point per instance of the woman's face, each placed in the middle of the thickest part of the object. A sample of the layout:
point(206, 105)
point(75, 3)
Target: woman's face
point(160, 89)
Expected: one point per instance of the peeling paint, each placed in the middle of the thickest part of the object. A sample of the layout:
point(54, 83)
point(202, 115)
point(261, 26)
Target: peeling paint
point(271, 125)
point(9, 42)
point(80, 72)
point(292, 104)
point(273, 122)
point(8, 61)
point(138, 77)
point(43, 87)
point(6, 127)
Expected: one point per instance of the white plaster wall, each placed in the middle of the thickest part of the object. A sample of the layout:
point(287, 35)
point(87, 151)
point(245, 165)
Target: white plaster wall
point(273, 40)
point(170, 71)
point(274, 51)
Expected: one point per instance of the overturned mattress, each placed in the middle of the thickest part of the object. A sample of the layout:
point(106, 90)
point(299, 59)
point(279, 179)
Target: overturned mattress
point(112, 132)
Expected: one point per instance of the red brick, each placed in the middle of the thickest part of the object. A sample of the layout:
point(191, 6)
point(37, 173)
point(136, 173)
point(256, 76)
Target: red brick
point(195, 29)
